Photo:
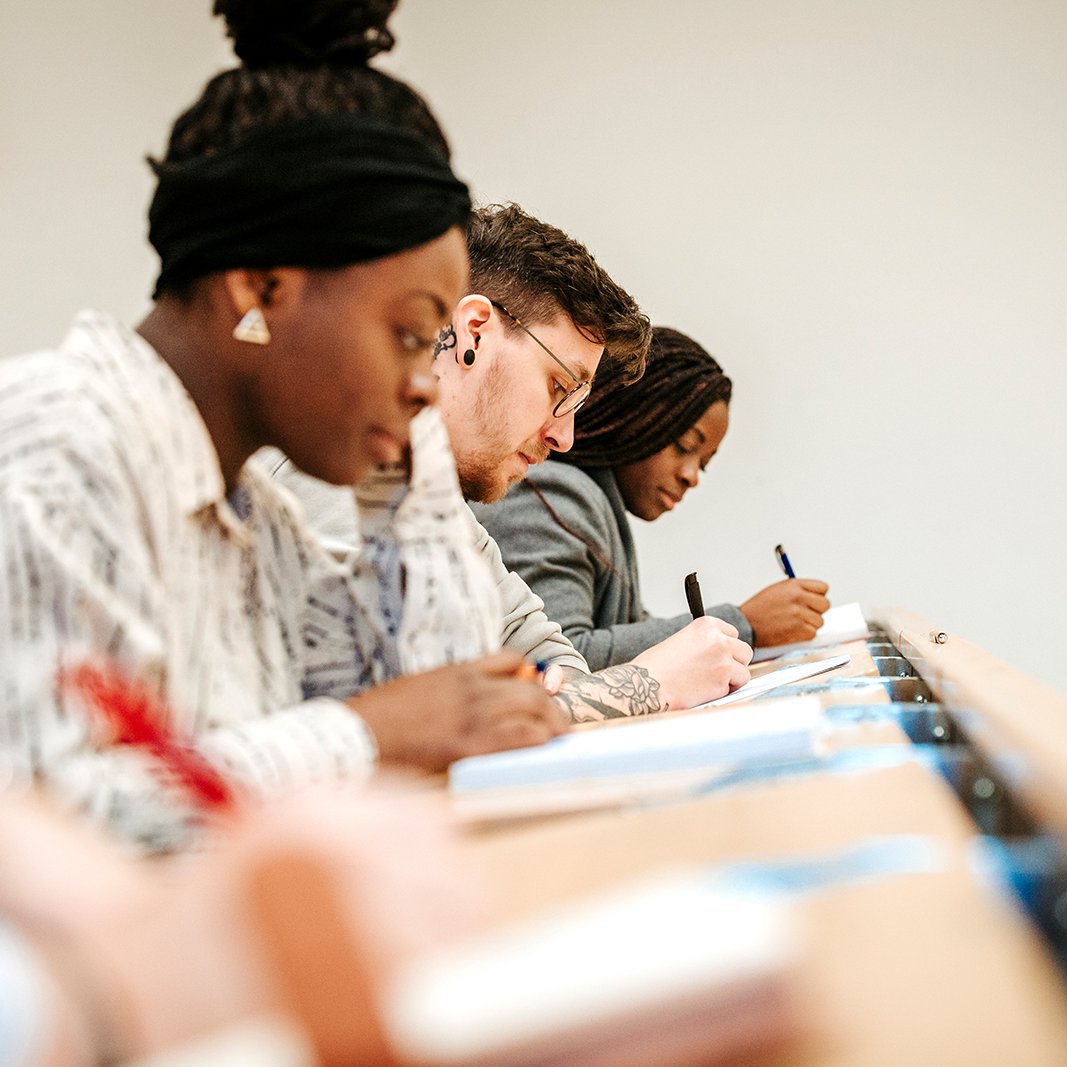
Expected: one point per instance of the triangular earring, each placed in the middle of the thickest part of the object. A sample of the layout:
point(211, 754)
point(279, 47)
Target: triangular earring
point(252, 328)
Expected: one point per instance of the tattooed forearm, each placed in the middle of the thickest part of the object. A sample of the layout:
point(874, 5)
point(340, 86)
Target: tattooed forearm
point(614, 693)
point(446, 339)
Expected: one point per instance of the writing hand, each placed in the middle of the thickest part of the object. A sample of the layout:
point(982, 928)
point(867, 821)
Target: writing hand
point(431, 719)
point(787, 611)
point(703, 661)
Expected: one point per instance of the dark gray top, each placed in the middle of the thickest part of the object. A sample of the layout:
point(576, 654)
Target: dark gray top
point(592, 592)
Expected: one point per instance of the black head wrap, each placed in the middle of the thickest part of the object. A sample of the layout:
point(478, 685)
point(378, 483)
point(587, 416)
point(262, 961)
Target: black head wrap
point(325, 191)
point(623, 423)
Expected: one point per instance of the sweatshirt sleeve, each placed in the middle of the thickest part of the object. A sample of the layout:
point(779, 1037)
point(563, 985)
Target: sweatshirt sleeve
point(570, 559)
point(526, 628)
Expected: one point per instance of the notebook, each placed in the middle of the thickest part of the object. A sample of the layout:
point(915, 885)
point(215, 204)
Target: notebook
point(784, 729)
point(673, 970)
point(783, 676)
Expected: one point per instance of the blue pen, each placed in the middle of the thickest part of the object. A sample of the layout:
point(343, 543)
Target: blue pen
point(783, 561)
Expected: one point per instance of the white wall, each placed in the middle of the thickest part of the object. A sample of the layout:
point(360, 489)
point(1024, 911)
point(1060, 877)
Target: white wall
point(859, 208)
point(87, 90)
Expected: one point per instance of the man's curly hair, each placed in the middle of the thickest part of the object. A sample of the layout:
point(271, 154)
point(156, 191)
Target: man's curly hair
point(536, 271)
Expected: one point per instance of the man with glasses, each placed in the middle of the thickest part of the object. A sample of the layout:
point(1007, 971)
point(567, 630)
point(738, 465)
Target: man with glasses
point(509, 394)
point(507, 397)
point(514, 366)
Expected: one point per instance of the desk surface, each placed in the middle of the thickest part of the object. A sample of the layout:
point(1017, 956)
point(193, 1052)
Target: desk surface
point(916, 968)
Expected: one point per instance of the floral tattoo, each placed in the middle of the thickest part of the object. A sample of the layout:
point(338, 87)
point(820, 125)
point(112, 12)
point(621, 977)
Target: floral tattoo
point(614, 693)
point(446, 339)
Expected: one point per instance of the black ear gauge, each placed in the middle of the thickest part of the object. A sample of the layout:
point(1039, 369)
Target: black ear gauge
point(469, 355)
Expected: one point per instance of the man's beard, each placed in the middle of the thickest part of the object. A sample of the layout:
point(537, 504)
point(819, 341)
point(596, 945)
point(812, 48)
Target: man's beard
point(482, 474)
point(482, 477)
point(481, 481)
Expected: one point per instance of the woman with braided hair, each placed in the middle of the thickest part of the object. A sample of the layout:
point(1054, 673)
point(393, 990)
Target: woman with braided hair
point(638, 449)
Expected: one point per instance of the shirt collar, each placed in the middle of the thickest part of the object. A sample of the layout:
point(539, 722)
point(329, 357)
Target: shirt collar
point(190, 461)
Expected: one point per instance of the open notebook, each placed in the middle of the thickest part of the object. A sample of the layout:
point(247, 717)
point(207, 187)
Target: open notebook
point(673, 970)
point(765, 683)
point(784, 729)
point(843, 623)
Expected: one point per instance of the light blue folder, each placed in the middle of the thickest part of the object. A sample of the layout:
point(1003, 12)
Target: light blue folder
point(779, 730)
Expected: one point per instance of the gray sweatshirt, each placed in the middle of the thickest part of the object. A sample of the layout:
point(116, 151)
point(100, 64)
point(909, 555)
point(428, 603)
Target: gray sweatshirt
point(592, 592)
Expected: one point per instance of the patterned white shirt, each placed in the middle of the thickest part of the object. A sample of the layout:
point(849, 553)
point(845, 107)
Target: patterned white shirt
point(117, 539)
point(343, 520)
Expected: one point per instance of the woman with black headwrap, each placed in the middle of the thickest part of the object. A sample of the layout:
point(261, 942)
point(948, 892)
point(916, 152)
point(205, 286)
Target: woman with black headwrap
point(311, 238)
point(638, 449)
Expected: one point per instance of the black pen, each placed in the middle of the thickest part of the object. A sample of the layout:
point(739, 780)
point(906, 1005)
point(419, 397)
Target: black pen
point(692, 595)
point(783, 561)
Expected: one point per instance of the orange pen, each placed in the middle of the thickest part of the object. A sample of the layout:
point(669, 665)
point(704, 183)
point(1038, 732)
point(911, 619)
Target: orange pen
point(531, 671)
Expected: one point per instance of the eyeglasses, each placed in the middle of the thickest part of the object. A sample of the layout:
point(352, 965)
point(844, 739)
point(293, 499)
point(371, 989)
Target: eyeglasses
point(574, 398)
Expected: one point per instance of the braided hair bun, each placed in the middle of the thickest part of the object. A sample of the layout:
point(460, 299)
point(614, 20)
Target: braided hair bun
point(300, 59)
point(307, 33)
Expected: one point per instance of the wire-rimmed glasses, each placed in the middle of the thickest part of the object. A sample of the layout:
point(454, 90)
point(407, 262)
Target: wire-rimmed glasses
point(574, 398)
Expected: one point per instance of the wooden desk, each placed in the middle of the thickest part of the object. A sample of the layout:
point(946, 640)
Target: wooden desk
point(916, 968)
point(1015, 720)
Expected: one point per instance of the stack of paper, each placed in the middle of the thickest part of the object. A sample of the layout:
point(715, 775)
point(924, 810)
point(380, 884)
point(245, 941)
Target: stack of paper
point(672, 972)
point(784, 729)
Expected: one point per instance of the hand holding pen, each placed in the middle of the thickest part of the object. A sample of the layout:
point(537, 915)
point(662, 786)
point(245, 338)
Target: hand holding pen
point(548, 675)
point(788, 611)
point(703, 660)
point(429, 720)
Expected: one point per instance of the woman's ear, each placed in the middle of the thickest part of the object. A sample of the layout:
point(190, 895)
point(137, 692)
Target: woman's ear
point(260, 301)
point(278, 289)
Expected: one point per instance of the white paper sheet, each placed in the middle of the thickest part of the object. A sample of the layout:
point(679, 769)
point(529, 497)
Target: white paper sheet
point(783, 676)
